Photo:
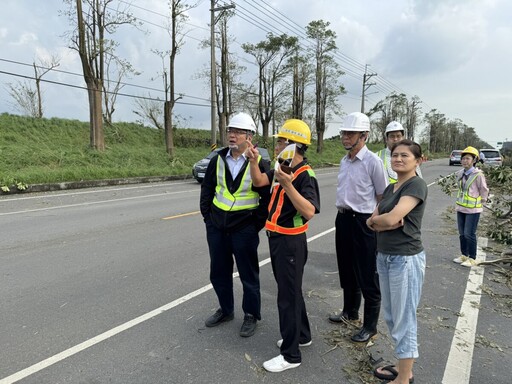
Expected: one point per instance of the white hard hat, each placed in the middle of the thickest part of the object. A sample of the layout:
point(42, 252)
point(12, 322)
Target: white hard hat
point(356, 121)
point(242, 121)
point(394, 126)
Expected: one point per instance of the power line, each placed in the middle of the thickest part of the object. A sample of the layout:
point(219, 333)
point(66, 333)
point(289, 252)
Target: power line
point(385, 85)
point(249, 17)
point(85, 88)
point(259, 14)
point(80, 75)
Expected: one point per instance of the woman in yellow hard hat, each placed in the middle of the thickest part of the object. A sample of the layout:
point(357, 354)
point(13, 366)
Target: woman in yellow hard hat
point(471, 196)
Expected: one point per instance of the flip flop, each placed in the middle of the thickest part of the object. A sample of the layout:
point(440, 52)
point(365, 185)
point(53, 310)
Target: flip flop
point(411, 380)
point(393, 373)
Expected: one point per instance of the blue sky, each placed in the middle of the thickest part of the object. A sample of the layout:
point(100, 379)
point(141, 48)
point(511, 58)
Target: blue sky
point(453, 54)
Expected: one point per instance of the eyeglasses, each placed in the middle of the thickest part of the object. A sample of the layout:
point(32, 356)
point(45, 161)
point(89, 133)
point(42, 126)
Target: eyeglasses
point(348, 133)
point(236, 132)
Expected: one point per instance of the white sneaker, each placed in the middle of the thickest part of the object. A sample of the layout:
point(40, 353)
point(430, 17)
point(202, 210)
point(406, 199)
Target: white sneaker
point(280, 342)
point(460, 259)
point(469, 263)
point(278, 364)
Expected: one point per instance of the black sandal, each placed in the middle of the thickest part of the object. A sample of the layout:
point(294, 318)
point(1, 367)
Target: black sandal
point(393, 373)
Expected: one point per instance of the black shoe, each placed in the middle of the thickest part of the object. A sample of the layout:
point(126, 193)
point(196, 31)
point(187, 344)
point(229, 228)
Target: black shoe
point(217, 318)
point(249, 326)
point(363, 335)
point(342, 317)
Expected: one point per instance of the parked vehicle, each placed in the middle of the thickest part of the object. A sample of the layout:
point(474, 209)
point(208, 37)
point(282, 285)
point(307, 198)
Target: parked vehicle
point(492, 156)
point(199, 168)
point(455, 157)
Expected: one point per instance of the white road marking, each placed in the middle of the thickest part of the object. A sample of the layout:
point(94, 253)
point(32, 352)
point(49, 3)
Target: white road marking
point(120, 328)
point(104, 189)
point(460, 358)
point(102, 337)
point(459, 362)
point(96, 202)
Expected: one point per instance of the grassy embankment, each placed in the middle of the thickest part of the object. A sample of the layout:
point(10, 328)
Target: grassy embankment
point(35, 151)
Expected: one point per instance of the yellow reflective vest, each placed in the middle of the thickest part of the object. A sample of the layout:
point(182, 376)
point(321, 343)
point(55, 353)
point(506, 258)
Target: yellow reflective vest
point(463, 197)
point(243, 198)
point(387, 166)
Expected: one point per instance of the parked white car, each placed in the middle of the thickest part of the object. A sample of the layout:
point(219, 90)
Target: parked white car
point(492, 156)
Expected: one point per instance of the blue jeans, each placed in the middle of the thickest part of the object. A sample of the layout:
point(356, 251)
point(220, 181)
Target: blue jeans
point(467, 223)
point(401, 281)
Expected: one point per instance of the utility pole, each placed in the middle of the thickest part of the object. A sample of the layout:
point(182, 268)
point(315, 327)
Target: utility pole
point(366, 85)
point(213, 69)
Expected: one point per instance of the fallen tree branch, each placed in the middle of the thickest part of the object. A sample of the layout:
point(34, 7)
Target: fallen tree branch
point(503, 260)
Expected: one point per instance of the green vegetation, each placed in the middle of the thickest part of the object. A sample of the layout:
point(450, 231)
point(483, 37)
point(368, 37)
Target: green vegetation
point(36, 151)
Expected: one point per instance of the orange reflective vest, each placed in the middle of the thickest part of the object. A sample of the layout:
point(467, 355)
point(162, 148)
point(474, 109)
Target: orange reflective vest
point(278, 193)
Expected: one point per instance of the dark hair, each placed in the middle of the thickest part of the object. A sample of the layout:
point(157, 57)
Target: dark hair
point(414, 147)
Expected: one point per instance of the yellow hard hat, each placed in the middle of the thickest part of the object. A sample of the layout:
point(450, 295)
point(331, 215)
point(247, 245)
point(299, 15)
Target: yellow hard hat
point(295, 130)
point(472, 151)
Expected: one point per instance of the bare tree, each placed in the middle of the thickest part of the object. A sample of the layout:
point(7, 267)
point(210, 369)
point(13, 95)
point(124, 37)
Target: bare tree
point(327, 75)
point(231, 94)
point(413, 117)
point(27, 100)
point(302, 77)
point(116, 69)
point(149, 109)
point(272, 56)
point(89, 39)
point(178, 16)
point(393, 107)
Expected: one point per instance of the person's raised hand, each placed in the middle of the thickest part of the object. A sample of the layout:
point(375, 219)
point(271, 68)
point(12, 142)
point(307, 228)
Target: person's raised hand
point(251, 152)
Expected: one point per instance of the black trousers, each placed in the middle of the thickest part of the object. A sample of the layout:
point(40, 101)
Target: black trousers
point(243, 245)
point(356, 256)
point(289, 254)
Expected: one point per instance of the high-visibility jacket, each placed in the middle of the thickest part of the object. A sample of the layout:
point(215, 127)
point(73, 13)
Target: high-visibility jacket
point(278, 199)
point(392, 176)
point(463, 197)
point(385, 156)
point(242, 198)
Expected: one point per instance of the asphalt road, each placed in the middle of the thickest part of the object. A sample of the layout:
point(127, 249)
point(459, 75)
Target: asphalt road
point(110, 285)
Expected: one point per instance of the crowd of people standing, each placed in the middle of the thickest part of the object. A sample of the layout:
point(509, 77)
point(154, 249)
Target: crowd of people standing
point(380, 202)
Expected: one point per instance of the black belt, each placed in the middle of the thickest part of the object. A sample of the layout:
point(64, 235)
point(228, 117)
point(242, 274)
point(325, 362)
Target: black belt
point(273, 234)
point(348, 211)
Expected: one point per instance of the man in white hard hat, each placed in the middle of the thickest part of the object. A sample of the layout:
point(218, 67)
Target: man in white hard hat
point(361, 182)
point(234, 211)
point(395, 132)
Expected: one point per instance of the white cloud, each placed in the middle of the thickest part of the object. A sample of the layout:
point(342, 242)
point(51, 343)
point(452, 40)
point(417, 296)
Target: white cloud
point(453, 54)
point(25, 38)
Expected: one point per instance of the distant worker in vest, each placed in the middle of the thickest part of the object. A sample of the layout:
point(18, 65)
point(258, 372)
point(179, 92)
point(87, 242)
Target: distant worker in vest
point(234, 211)
point(361, 183)
point(395, 132)
point(471, 195)
point(294, 201)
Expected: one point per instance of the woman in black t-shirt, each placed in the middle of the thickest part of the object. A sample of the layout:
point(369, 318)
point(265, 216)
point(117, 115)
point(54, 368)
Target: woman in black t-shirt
point(401, 257)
